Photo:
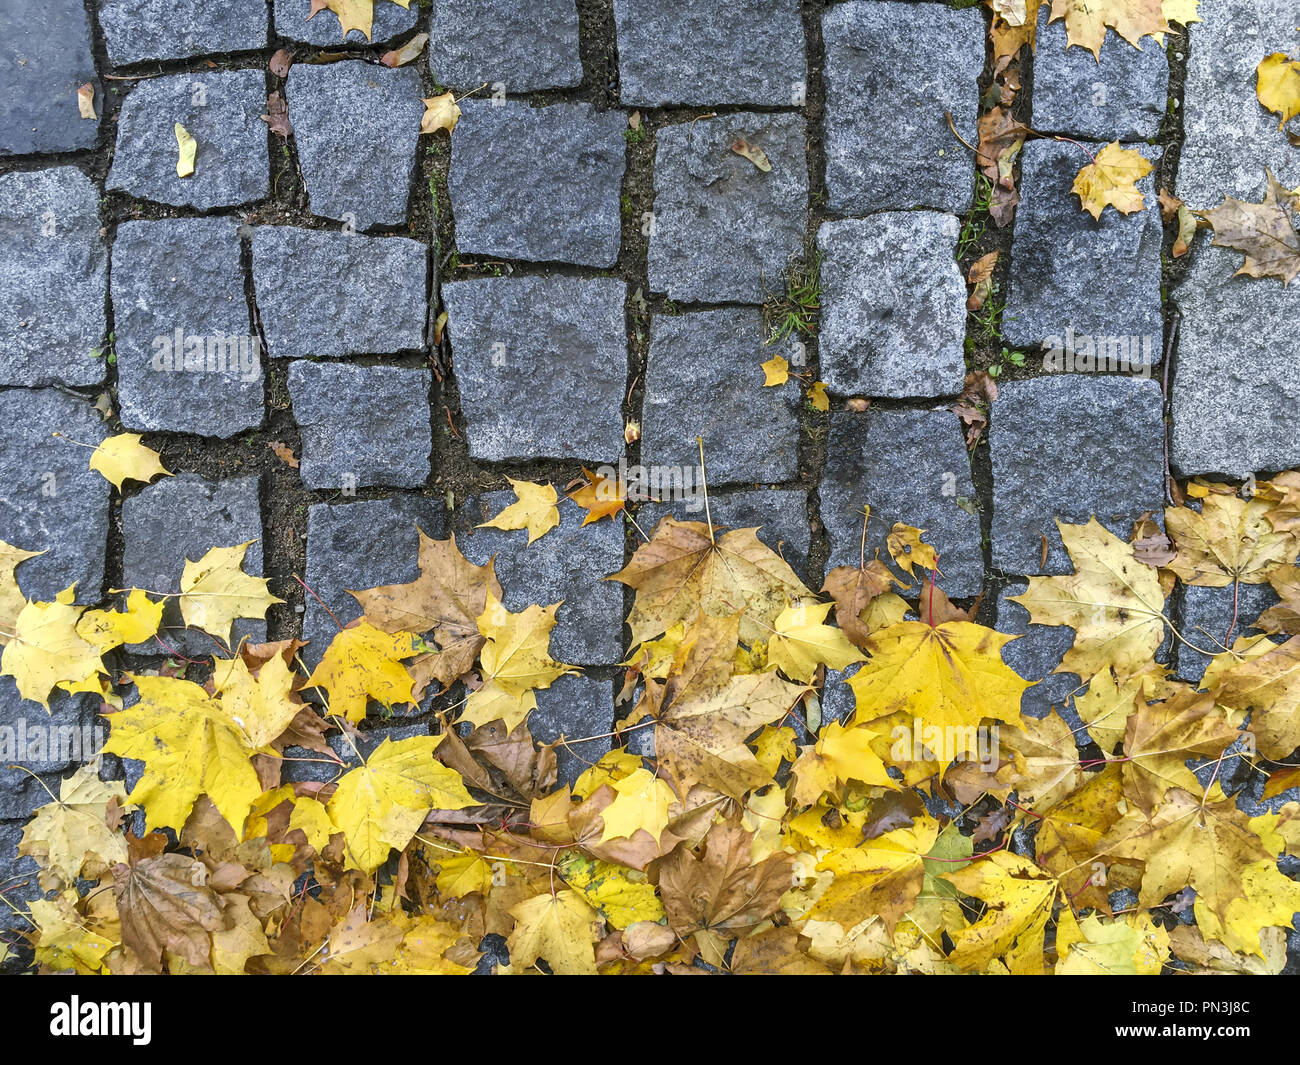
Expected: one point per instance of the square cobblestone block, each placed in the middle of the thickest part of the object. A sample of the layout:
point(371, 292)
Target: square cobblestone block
point(1228, 137)
point(892, 70)
point(572, 708)
point(513, 199)
point(1236, 391)
point(690, 52)
point(519, 45)
point(356, 126)
point(1121, 97)
point(50, 500)
point(221, 110)
point(909, 467)
point(136, 30)
point(360, 545)
point(186, 359)
point(362, 426)
point(1080, 278)
point(44, 58)
point(568, 563)
point(53, 276)
point(723, 230)
point(321, 293)
point(1071, 447)
point(323, 28)
point(180, 518)
point(893, 306)
point(541, 364)
point(704, 379)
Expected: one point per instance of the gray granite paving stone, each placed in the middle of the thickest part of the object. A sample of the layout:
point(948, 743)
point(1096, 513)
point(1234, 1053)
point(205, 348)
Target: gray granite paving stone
point(1034, 656)
point(893, 305)
point(44, 58)
point(724, 231)
point(1076, 275)
point(541, 364)
point(1207, 613)
point(781, 516)
point(136, 30)
point(1122, 97)
point(575, 707)
point(184, 275)
point(892, 70)
point(323, 28)
point(537, 183)
point(19, 886)
point(909, 467)
point(53, 267)
point(180, 518)
point(50, 500)
point(49, 745)
point(1229, 137)
point(568, 563)
point(354, 546)
point(1071, 447)
point(221, 111)
point(837, 698)
point(517, 45)
point(690, 52)
point(321, 293)
point(704, 379)
point(356, 126)
point(362, 426)
point(1236, 388)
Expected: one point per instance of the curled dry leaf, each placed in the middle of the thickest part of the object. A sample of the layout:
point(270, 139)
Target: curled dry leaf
point(753, 153)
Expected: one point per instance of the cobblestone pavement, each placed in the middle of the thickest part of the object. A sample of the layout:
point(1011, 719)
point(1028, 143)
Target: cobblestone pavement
point(597, 273)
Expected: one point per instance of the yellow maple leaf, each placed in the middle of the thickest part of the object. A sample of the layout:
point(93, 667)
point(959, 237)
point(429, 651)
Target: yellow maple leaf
point(535, 510)
point(215, 591)
point(621, 896)
point(1270, 899)
point(776, 371)
point(363, 663)
point(950, 675)
point(599, 497)
point(907, 549)
point(12, 599)
point(1111, 180)
point(516, 649)
point(189, 746)
point(382, 803)
point(641, 802)
point(839, 756)
point(1086, 20)
point(71, 834)
point(47, 650)
point(818, 398)
point(186, 149)
point(880, 877)
point(1229, 539)
point(1095, 946)
point(1277, 84)
point(803, 641)
point(1019, 897)
point(263, 706)
point(1112, 601)
point(122, 458)
point(64, 940)
point(556, 928)
point(112, 628)
point(440, 112)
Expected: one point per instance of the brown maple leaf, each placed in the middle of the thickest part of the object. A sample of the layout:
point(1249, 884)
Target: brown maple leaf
point(1263, 232)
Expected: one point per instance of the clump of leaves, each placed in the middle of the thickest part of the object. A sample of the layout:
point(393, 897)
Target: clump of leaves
point(755, 837)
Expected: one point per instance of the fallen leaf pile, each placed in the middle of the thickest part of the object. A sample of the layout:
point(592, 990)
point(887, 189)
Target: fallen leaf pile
point(734, 825)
